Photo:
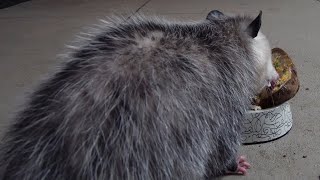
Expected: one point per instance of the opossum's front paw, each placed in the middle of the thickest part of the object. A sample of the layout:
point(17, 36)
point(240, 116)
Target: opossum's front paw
point(243, 165)
point(255, 108)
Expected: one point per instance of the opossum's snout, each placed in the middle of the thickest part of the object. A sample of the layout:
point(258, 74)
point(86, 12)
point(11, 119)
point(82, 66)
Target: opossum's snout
point(273, 76)
point(268, 76)
point(273, 82)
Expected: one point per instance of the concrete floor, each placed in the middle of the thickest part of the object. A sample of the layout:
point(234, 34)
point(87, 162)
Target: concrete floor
point(33, 33)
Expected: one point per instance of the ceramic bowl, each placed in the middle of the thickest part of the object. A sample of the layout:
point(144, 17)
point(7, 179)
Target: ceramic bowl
point(267, 124)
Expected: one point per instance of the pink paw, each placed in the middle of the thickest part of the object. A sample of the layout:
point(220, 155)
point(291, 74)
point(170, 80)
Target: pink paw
point(243, 165)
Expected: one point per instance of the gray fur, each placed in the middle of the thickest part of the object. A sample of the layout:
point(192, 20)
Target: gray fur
point(143, 98)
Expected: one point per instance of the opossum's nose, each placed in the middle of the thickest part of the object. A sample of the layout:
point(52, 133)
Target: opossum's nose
point(273, 84)
point(273, 81)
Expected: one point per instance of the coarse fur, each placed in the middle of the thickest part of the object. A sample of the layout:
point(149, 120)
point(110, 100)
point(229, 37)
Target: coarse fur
point(141, 98)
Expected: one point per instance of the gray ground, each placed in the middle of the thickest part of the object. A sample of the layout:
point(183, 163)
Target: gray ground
point(33, 33)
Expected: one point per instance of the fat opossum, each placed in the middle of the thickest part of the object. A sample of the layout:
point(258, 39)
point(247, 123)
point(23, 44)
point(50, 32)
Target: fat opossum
point(143, 98)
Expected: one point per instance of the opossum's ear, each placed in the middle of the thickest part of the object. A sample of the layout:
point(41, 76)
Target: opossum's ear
point(214, 14)
point(254, 26)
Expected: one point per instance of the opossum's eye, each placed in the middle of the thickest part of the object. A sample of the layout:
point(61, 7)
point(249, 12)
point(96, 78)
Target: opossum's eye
point(214, 14)
point(254, 26)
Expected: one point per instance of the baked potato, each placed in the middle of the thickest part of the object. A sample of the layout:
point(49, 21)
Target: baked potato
point(285, 88)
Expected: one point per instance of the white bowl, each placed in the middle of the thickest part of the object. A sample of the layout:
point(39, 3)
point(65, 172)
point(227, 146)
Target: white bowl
point(267, 124)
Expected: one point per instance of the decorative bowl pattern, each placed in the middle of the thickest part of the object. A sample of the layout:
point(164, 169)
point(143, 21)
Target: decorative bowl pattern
point(267, 124)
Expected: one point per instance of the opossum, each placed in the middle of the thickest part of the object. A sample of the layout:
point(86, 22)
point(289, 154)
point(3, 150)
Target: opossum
point(143, 98)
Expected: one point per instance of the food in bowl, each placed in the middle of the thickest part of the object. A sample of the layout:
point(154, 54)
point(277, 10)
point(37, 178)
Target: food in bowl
point(285, 88)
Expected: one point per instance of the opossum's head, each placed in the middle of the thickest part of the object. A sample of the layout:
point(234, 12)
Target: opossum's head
point(262, 53)
point(260, 47)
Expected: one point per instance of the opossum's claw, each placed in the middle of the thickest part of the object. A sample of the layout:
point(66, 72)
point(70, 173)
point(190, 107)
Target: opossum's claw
point(255, 108)
point(243, 165)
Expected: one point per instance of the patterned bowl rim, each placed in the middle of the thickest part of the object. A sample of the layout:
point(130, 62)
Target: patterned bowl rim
point(267, 109)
